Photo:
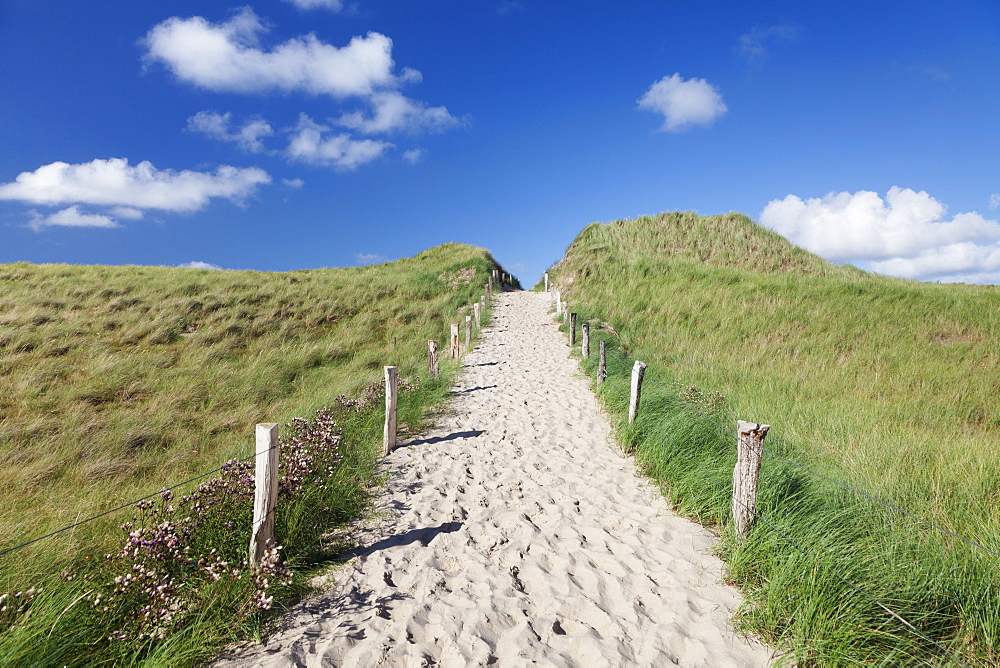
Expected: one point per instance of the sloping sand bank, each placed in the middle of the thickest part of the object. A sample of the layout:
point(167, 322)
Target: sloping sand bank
point(514, 534)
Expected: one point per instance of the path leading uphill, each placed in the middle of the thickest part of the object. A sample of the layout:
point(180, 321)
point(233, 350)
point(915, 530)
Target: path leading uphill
point(514, 533)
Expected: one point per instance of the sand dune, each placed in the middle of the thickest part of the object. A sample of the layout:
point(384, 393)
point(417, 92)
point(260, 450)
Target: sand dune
point(514, 533)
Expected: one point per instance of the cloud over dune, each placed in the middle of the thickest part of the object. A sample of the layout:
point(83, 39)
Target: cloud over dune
point(906, 233)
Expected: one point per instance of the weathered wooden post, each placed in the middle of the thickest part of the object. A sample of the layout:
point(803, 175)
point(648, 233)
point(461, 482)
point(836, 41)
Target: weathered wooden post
point(479, 315)
point(572, 329)
point(454, 340)
point(638, 371)
point(265, 491)
point(602, 364)
point(558, 302)
point(432, 359)
point(750, 447)
point(565, 312)
point(468, 332)
point(391, 395)
point(585, 345)
point(546, 281)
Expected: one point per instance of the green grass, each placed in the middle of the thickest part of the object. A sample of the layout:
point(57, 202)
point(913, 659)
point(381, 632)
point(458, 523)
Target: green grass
point(119, 381)
point(886, 385)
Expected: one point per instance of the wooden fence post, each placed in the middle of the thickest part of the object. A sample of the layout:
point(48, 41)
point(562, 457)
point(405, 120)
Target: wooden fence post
point(638, 371)
point(602, 364)
point(750, 445)
point(572, 329)
point(565, 312)
point(454, 341)
point(585, 346)
point(546, 281)
point(479, 315)
point(432, 359)
point(558, 304)
point(391, 395)
point(265, 491)
point(468, 332)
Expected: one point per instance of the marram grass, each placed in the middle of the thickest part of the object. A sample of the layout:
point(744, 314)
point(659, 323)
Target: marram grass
point(118, 381)
point(885, 385)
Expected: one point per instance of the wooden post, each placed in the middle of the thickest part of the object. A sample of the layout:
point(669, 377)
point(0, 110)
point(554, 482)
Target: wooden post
point(432, 359)
point(749, 445)
point(468, 332)
point(265, 492)
point(638, 371)
point(479, 315)
point(391, 394)
point(602, 364)
point(565, 312)
point(558, 302)
point(572, 329)
point(454, 341)
point(546, 281)
point(585, 346)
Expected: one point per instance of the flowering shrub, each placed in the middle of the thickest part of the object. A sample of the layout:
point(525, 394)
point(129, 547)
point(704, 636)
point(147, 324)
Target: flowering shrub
point(174, 549)
point(13, 606)
point(693, 395)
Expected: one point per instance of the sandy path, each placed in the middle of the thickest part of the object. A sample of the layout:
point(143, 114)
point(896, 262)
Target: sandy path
point(514, 533)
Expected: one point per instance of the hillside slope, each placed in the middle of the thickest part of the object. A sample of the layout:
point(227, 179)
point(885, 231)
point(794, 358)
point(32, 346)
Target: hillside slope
point(118, 380)
point(885, 385)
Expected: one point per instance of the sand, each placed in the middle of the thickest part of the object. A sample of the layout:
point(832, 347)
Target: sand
point(515, 533)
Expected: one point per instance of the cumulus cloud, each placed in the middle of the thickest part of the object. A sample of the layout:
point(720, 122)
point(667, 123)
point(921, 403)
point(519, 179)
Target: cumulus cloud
point(293, 183)
point(369, 258)
point(906, 234)
point(332, 5)
point(115, 183)
point(683, 102)
point(414, 155)
point(216, 126)
point(310, 143)
point(70, 217)
point(753, 44)
point(391, 111)
point(227, 57)
point(198, 264)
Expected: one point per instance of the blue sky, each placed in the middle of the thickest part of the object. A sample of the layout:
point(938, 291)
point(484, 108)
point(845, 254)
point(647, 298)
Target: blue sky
point(294, 134)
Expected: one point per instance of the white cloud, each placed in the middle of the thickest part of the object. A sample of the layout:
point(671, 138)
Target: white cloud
point(198, 264)
point(906, 234)
point(227, 57)
point(332, 5)
point(114, 182)
point(414, 155)
point(70, 217)
point(949, 261)
point(995, 201)
point(293, 183)
point(126, 212)
point(311, 144)
point(753, 45)
point(391, 111)
point(369, 258)
point(216, 126)
point(683, 102)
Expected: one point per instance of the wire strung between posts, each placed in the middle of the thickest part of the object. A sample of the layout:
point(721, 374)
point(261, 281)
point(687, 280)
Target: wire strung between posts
point(130, 504)
point(810, 551)
point(887, 504)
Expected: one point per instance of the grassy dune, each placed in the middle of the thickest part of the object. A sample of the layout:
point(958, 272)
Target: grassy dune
point(118, 381)
point(886, 385)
